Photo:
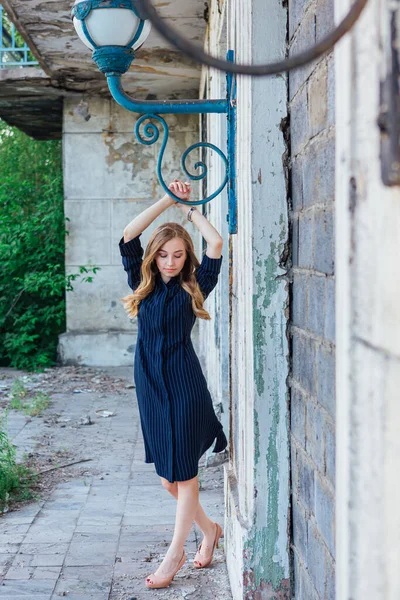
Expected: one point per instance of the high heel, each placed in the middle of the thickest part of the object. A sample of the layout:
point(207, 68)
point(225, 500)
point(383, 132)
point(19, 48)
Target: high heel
point(199, 561)
point(155, 581)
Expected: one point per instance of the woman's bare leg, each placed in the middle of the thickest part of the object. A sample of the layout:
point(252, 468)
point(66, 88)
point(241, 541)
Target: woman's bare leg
point(186, 508)
point(205, 524)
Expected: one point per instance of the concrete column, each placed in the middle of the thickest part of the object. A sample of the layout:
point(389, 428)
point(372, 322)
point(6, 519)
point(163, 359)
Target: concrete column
point(368, 324)
point(257, 477)
point(109, 178)
point(214, 334)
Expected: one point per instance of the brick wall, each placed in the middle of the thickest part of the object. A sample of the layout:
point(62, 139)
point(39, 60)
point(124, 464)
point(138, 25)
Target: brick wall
point(312, 381)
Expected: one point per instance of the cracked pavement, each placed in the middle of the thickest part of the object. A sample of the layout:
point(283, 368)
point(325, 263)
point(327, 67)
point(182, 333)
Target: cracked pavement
point(105, 524)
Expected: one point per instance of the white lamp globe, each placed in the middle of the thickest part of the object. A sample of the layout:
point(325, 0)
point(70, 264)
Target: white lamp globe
point(111, 27)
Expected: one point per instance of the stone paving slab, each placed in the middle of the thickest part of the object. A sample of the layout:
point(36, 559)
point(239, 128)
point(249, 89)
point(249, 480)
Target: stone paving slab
point(99, 535)
point(89, 582)
point(28, 588)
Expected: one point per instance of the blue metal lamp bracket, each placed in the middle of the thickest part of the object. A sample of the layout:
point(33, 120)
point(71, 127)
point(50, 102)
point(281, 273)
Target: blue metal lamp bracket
point(114, 61)
point(150, 125)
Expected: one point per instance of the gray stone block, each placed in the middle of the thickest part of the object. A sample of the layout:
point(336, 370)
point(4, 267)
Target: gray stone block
point(88, 244)
point(319, 172)
point(315, 434)
point(324, 18)
point(330, 317)
point(324, 259)
point(330, 580)
point(299, 300)
point(295, 240)
point(88, 554)
point(299, 128)
point(331, 90)
point(97, 349)
point(296, 174)
point(20, 573)
point(316, 551)
point(296, 575)
point(48, 560)
point(298, 417)
point(307, 589)
point(306, 475)
point(326, 379)
point(296, 12)
point(325, 512)
point(47, 573)
point(294, 469)
point(316, 304)
point(330, 452)
point(304, 39)
point(34, 589)
point(299, 525)
point(317, 98)
point(305, 254)
point(304, 361)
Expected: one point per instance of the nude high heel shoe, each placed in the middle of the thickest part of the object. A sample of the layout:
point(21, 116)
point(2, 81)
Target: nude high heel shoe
point(155, 581)
point(200, 561)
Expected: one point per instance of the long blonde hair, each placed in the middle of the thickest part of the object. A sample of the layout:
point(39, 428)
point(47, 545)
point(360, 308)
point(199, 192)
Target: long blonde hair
point(149, 270)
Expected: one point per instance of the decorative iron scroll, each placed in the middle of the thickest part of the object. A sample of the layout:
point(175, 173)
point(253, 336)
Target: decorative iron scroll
point(150, 136)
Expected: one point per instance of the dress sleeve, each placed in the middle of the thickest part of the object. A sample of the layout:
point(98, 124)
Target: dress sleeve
point(131, 254)
point(207, 274)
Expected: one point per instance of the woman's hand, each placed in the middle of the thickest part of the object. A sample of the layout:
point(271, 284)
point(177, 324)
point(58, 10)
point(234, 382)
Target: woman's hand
point(180, 189)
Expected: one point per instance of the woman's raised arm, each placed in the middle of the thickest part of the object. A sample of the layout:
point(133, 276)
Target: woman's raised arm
point(209, 233)
point(142, 221)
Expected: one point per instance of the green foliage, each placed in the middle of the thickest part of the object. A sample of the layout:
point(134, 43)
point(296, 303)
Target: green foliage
point(32, 234)
point(15, 478)
point(33, 407)
point(19, 42)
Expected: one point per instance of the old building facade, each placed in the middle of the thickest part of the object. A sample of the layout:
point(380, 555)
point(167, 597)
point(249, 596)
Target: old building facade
point(302, 353)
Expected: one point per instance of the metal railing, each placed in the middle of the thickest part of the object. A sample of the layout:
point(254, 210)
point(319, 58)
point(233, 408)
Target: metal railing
point(14, 52)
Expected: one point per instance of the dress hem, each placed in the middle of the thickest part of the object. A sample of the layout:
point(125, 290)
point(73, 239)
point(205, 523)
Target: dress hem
point(220, 445)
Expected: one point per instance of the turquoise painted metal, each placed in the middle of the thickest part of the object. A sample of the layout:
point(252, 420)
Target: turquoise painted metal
point(81, 10)
point(114, 61)
point(231, 143)
point(12, 53)
point(152, 134)
point(163, 106)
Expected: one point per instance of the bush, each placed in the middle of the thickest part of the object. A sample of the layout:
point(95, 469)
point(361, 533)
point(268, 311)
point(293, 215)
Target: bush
point(32, 234)
point(15, 478)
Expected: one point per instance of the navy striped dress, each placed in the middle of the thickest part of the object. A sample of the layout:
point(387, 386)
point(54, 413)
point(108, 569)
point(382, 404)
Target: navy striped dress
point(175, 406)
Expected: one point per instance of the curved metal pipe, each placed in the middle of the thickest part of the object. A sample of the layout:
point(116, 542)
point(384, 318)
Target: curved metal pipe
point(162, 106)
point(174, 37)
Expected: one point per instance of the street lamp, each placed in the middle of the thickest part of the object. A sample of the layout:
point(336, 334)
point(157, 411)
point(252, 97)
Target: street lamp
point(114, 30)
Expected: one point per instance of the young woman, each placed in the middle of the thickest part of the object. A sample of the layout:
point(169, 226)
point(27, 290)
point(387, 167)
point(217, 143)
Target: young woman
point(176, 411)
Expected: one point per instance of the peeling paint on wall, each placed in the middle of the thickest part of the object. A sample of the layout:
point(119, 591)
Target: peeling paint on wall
point(126, 152)
point(267, 580)
point(265, 591)
point(256, 438)
point(266, 283)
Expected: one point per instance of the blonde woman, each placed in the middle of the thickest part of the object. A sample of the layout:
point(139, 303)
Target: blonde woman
point(176, 411)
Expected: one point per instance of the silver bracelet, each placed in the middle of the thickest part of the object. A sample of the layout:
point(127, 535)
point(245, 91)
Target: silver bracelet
point(189, 215)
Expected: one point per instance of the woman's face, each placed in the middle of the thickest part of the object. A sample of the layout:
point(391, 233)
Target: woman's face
point(171, 257)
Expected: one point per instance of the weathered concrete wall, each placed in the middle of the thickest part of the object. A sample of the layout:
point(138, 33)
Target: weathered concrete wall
point(312, 382)
point(257, 477)
point(109, 178)
point(368, 318)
